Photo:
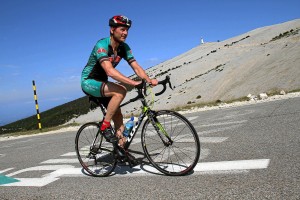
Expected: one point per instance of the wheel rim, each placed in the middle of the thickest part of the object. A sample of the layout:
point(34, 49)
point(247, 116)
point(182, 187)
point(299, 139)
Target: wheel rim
point(100, 161)
point(182, 155)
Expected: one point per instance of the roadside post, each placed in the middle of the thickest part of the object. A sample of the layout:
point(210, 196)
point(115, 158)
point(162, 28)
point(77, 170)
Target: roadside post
point(36, 106)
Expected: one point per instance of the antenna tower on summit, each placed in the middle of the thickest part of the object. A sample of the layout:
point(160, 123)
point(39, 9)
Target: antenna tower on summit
point(202, 41)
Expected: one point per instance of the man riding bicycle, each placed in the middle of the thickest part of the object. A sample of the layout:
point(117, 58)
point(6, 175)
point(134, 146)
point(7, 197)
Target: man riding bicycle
point(103, 59)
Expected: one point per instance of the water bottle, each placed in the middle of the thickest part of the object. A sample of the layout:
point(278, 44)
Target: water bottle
point(128, 126)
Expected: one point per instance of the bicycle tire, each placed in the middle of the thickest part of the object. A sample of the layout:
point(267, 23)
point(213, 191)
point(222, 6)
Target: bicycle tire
point(178, 158)
point(98, 159)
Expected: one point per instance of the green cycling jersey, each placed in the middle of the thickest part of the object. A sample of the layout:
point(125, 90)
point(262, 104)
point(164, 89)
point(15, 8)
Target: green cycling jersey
point(103, 51)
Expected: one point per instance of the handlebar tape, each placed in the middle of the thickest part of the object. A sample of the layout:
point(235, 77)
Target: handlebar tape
point(164, 83)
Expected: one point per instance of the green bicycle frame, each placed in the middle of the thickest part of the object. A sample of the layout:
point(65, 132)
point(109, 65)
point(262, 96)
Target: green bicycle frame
point(146, 111)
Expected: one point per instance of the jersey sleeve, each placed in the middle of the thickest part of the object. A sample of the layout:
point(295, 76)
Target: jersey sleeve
point(128, 54)
point(101, 51)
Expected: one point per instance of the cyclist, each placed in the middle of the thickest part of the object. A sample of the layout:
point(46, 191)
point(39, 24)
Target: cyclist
point(103, 59)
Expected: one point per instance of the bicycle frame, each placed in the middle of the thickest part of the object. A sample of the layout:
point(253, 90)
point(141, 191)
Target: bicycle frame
point(134, 130)
point(146, 111)
point(140, 119)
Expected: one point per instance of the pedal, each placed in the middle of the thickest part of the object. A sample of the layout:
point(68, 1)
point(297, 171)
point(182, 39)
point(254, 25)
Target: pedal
point(132, 161)
point(113, 139)
point(109, 136)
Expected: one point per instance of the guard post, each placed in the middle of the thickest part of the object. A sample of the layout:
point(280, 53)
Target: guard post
point(37, 106)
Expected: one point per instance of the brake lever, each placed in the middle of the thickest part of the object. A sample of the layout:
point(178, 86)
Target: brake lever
point(145, 87)
point(140, 86)
point(170, 85)
point(163, 83)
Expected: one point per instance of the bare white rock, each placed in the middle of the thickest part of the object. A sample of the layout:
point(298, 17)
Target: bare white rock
point(263, 96)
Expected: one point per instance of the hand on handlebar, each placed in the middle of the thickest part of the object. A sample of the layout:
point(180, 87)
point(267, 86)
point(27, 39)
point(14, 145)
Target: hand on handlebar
point(141, 88)
point(154, 82)
point(140, 84)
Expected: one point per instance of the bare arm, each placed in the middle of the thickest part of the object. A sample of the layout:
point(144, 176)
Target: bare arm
point(116, 75)
point(141, 73)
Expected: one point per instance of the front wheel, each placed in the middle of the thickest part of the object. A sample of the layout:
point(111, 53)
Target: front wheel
point(94, 153)
point(170, 143)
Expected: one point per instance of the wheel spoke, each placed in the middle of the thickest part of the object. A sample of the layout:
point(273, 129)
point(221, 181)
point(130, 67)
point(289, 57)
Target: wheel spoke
point(96, 158)
point(178, 157)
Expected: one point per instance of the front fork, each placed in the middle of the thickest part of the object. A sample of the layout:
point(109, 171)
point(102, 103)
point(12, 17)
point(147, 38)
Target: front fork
point(159, 128)
point(95, 148)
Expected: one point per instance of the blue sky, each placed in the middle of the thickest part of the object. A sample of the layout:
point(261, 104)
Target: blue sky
point(49, 41)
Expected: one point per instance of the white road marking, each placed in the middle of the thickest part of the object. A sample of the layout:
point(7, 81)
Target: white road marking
point(192, 118)
point(189, 139)
point(221, 123)
point(224, 172)
point(33, 182)
point(174, 120)
point(218, 129)
point(60, 161)
point(238, 114)
point(204, 153)
point(59, 171)
point(6, 170)
point(212, 139)
point(239, 166)
point(40, 168)
point(70, 154)
point(37, 182)
point(200, 167)
point(233, 165)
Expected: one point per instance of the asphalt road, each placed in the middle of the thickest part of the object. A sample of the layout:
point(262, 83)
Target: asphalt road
point(247, 152)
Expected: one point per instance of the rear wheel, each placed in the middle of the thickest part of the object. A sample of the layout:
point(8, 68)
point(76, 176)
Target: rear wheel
point(171, 143)
point(94, 153)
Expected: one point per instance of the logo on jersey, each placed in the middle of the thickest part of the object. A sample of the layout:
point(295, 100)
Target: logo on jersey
point(101, 50)
point(115, 60)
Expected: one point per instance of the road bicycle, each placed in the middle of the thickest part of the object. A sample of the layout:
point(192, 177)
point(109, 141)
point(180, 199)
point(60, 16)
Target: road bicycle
point(169, 140)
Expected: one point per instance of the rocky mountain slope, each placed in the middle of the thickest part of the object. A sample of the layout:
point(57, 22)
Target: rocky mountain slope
point(263, 60)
